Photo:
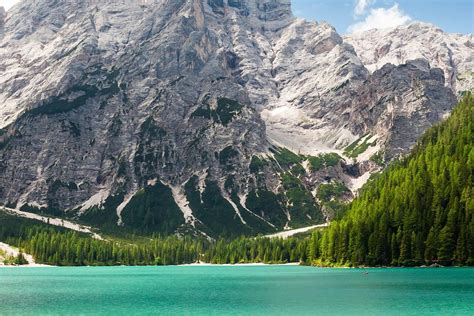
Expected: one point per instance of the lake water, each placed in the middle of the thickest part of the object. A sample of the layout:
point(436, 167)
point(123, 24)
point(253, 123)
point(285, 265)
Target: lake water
point(241, 290)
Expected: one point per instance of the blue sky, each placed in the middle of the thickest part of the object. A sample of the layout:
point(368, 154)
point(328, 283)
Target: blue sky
point(454, 16)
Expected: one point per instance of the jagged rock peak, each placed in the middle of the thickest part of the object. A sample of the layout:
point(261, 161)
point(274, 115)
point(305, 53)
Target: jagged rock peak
point(266, 10)
point(450, 52)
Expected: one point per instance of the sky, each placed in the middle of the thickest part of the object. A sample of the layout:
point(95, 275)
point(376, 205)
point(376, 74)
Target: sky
point(347, 16)
point(7, 3)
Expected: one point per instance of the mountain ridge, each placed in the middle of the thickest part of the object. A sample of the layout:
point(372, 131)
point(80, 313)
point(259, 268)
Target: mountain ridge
point(198, 106)
point(450, 52)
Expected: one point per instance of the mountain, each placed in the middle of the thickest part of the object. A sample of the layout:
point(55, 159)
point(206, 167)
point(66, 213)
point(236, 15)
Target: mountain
point(420, 210)
point(208, 117)
point(450, 52)
point(2, 16)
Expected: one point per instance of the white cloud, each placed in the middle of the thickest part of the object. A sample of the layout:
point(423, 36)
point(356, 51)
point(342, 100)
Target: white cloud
point(381, 18)
point(7, 4)
point(362, 5)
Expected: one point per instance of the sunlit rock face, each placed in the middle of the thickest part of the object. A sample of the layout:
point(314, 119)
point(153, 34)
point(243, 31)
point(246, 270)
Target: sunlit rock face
point(453, 53)
point(171, 116)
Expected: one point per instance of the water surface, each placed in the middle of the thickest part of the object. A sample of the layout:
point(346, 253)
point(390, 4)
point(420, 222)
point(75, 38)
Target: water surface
point(241, 290)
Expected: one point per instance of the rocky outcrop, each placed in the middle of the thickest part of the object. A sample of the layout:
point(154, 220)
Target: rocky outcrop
point(453, 53)
point(177, 116)
point(2, 16)
point(399, 103)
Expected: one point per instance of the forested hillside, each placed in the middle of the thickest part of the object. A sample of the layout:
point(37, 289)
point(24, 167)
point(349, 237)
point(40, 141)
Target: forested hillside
point(419, 211)
point(61, 247)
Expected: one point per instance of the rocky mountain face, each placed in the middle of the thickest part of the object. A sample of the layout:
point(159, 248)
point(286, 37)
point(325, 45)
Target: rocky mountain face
point(203, 116)
point(2, 16)
point(453, 53)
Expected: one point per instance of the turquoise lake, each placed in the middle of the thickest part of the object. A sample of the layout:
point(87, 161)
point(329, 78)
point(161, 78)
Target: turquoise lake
point(240, 290)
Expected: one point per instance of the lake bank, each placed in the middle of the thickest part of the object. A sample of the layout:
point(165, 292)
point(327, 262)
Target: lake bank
point(10, 251)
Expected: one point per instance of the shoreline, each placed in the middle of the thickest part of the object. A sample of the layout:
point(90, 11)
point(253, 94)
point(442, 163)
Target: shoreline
point(256, 264)
point(153, 266)
point(202, 264)
point(13, 251)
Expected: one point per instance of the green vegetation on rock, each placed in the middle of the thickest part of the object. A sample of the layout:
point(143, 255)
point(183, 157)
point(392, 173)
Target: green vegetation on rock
point(227, 109)
point(321, 161)
point(332, 197)
point(419, 211)
point(105, 215)
point(286, 158)
point(227, 154)
point(301, 204)
point(224, 113)
point(378, 158)
point(359, 146)
point(331, 191)
point(268, 205)
point(62, 103)
point(211, 208)
point(153, 209)
point(257, 164)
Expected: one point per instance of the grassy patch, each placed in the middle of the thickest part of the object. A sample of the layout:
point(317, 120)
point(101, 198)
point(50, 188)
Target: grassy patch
point(286, 158)
point(378, 158)
point(257, 164)
point(302, 205)
point(331, 191)
point(203, 111)
point(331, 195)
point(322, 161)
point(298, 170)
point(359, 146)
